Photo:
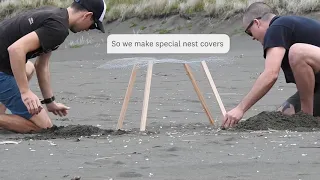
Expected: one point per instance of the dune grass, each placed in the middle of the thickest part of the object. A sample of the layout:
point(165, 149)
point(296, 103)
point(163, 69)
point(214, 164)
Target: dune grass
point(124, 9)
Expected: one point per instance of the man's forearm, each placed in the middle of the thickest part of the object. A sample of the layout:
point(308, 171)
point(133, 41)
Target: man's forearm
point(263, 84)
point(18, 66)
point(44, 82)
point(43, 75)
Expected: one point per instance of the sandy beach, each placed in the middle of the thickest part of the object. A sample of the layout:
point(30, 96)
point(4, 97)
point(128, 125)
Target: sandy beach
point(179, 142)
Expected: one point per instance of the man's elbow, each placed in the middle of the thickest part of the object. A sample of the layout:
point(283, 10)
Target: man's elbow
point(42, 62)
point(15, 49)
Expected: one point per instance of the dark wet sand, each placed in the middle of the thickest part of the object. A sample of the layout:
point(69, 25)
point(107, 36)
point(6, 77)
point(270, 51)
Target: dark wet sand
point(179, 142)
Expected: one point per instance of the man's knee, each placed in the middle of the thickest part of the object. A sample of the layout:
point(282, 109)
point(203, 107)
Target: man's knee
point(304, 54)
point(30, 69)
point(42, 120)
point(297, 54)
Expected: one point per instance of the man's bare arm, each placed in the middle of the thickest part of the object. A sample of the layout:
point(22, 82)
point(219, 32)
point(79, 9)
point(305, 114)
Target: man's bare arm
point(43, 75)
point(266, 80)
point(17, 54)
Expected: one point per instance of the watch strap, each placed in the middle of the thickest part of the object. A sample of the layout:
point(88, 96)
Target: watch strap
point(48, 100)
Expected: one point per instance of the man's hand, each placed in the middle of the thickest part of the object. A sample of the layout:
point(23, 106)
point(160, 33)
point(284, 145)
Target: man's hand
point(58, 109)
point(232, 117)
point(32, 102)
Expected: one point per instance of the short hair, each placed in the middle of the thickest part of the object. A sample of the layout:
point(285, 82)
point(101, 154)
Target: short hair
point(77, 7)
point(255, 10)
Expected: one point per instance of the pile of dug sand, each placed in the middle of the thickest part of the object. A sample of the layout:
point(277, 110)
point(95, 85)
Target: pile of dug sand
point(74, 131)
point(277, 121)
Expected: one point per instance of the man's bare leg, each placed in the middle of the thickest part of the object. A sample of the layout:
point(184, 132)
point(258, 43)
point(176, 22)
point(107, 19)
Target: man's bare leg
point(29, 71)
point(2, 108)
point(18, 124)
point(304, 60)
point(42, 120)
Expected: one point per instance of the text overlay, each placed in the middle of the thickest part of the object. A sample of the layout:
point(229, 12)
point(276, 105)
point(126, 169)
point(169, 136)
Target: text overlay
point(168, 44)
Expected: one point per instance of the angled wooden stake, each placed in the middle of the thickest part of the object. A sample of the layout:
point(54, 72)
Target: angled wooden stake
point(214, 88)
point(127, 97)
point(194, 83)
point(146, 97)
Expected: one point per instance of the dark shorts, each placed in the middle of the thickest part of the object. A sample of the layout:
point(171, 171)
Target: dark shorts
point(295, 101)
point(10, 96)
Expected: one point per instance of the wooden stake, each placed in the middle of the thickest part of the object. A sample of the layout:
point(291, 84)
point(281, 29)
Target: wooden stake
point(214, 88)
point(194, 83)
point(146, 97)
point(127, 97)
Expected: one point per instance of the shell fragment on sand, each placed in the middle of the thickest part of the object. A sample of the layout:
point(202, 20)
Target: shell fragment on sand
point(10, 142)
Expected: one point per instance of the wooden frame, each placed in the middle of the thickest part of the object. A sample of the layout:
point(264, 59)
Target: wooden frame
point(147, 94)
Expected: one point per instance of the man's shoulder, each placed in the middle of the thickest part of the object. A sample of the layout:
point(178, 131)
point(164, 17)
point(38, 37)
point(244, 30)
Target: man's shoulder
point(51, 13)
point(291, 21)
point(51, 25)
point(48, 17)
point(282, 23)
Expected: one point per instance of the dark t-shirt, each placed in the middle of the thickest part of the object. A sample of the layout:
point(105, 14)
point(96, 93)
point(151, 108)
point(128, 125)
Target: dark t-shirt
point(284, 31)
point(50, 23)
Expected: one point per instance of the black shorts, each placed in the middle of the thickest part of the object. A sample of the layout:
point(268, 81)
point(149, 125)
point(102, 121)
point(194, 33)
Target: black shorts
point(295, 101)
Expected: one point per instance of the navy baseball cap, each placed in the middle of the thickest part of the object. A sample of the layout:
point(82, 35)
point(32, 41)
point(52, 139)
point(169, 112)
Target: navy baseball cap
point(98, 8)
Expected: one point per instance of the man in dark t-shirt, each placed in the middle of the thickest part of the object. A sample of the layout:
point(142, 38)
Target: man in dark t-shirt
point(290, 43)
point(36, 34)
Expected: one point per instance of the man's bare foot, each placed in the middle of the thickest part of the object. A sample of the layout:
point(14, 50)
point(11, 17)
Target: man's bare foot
point(287, 109)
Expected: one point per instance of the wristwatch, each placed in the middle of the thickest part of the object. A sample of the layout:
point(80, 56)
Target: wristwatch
point(48, 100)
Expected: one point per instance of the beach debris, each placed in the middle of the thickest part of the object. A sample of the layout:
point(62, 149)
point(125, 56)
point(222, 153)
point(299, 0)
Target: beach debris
point(76, 178)
point(188, 140)
point(52, 143)
point(277, 141)
point(78, 139)
point(255, 157)
point(103, 158)
point(10, 142)
point(309, 147)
